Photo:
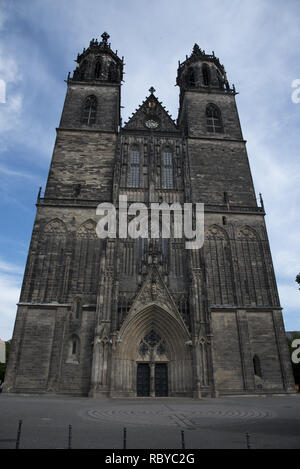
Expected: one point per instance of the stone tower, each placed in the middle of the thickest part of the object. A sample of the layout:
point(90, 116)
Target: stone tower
point(145, 316)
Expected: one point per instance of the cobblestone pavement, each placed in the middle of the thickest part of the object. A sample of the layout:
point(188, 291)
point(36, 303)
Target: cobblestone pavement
point(271, 422)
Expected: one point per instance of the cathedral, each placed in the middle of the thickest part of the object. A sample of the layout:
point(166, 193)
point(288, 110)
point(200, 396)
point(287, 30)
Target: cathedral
point(138, 317)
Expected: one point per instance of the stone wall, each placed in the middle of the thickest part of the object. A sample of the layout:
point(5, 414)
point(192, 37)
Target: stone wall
point(107, 116)
point(85, 158)
point(241, 335)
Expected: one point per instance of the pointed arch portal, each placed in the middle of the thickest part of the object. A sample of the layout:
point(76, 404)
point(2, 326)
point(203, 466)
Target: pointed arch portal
point(153, 356)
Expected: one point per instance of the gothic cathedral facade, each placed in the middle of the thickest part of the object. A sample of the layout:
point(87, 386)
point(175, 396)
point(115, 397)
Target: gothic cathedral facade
point(148, 317)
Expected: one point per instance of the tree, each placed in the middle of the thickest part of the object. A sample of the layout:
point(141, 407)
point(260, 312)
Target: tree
point(298, 279)
point(3, 365)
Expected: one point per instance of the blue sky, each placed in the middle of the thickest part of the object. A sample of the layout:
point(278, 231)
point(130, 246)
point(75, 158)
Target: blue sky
point(257, 41)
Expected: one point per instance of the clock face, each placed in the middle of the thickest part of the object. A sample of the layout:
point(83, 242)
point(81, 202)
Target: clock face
point(151, 124)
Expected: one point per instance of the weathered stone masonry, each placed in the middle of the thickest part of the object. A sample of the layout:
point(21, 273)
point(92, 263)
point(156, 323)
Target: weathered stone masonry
point(142, 317)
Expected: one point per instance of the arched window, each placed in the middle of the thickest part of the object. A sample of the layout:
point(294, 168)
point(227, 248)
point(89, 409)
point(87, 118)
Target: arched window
point(98, 68)
point(206, 75)
point(51, 261)
point(77, 309)
point(213, 119)
point(220, 80)
point(112, 72)
point(89, 111)
point(74, 349)
point(167, 170)
point(134, 171)
point(220, 282)
point(257, 366)
point(82, 70)
point(252, 268)
point(191, 77)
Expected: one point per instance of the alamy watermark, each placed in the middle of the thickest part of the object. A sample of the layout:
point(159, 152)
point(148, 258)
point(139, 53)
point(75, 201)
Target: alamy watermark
point(160, 220)
point(296, 93)
point(296, 353)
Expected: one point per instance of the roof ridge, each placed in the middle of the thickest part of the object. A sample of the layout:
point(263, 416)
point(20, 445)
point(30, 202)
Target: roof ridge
point(144, 102)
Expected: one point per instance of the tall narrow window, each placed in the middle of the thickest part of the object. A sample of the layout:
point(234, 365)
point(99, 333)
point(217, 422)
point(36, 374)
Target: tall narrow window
point(143, 245)
point(77, 309)
point(206, 75)
point(134, 173)
point(112, 72)
point(220, 80)
point(213, 119)
point(167, 170)
point(256, 366)
point(164, 247)
point(98, 68)
point(82, 70)
point(191, 77)
point(77, 190)
point(73, 349)
point(61, 256)
point(89, 111)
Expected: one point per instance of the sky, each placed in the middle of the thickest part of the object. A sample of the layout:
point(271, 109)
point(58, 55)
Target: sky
point(257, 41)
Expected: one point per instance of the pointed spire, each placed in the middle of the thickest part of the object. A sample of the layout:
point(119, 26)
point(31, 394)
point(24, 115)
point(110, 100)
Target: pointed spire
point(196, 49)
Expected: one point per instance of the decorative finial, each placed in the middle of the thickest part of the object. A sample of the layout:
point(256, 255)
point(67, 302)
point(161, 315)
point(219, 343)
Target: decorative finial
point(39, 194)
point(152, 90)
point(261, 201)
point(196, 49)
point(105, 37)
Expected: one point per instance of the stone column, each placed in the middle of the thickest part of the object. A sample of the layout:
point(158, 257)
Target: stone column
point(283, 352)
point(152, 379)
point(245, 350)
point(99, 379)
point(197, 382)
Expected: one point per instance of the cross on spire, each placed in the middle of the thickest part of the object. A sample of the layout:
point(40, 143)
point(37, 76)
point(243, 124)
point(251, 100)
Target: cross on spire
point(105, 37)
point(152, 90)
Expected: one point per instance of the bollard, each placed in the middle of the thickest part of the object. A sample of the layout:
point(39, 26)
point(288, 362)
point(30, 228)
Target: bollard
point(19, 434)
point(182, 440)
point(248, 440)
point(70, 437)
point(124, 437)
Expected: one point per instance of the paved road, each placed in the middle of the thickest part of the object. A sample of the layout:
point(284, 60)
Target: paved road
point(272, 422)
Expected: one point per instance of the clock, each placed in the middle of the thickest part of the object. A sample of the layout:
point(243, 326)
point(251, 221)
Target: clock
point(151, 124)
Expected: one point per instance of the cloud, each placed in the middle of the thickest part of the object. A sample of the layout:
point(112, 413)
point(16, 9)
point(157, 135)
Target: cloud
point(17, 174)
point(27, 73)
point(260, 54)
point(6, 267)
point(9, 70)
point(10, 284)
point(11, 112)
point(11, 109)
point(290, 296)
